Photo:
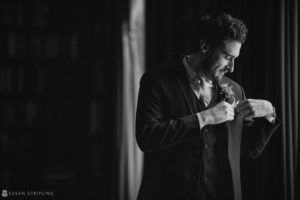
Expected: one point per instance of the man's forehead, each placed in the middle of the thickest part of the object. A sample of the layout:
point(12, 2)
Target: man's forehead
point(231, 47)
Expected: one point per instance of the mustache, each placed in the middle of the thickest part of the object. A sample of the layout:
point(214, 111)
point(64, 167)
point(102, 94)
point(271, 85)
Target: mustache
point(225, 69)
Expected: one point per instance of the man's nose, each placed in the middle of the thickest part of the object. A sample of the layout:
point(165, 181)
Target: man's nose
point(231, 66)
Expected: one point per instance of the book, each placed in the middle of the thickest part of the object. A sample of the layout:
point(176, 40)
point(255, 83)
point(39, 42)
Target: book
point(74, 46)
point(20, 80)
point(7, 12)
point(19, 15)
point(21, 45)
point(36, 46)
point(11, 44)
point(52, 47)
point(40, 11)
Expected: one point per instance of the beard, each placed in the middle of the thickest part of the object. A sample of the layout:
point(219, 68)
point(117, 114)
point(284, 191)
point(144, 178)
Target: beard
point(213, 70)
point(209, 68)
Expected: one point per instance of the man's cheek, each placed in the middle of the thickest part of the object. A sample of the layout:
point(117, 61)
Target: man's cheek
point(219, 70)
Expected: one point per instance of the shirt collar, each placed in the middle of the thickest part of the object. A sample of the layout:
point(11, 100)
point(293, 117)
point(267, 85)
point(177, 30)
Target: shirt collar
point(191, 73)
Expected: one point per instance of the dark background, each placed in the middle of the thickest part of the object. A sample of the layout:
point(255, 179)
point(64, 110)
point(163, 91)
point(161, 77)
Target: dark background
point(58, 88)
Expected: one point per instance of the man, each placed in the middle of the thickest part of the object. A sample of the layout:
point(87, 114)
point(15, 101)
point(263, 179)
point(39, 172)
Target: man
point(193, 123)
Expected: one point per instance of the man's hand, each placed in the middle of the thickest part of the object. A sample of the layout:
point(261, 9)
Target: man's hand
point(252, 108)
point(221, 112)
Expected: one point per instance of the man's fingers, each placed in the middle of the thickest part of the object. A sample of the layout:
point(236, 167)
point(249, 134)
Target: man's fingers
point(248, 111)
point(230, 114)
point(229, 111)
point(243, 105)
point(249, 119)
point(243, 109)
point(228, 104)
point(243, 102)
point(249, 116)
point(230, 118)
point(235, 103)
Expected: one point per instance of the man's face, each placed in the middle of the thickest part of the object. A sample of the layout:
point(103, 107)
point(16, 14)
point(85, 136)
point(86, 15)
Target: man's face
point(221, 59)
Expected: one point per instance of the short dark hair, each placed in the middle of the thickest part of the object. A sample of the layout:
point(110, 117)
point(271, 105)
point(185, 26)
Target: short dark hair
point(215, 29)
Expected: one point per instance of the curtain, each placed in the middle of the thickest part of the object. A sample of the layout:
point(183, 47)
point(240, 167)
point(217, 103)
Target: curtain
point(289, 55)
point(130, 157)
point(271, 56)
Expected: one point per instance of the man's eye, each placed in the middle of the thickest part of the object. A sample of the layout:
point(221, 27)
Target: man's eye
point(227, 57)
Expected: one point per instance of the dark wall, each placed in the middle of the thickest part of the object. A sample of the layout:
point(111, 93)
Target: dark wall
point(257, 68)
point(57, 97)
point(58, 88)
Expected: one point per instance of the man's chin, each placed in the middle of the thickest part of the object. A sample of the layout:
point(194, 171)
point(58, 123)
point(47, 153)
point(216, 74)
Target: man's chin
point(218, 77)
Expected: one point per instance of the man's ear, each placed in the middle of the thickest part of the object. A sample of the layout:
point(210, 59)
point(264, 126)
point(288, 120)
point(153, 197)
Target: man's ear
point(204, 46)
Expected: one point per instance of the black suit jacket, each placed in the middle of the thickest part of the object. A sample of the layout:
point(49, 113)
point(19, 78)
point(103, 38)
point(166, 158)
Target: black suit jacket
point(167, 130)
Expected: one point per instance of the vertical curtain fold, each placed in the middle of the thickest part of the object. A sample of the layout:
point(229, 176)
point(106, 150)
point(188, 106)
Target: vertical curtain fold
point(130, 157)
point(289, 94)
point(295, 57)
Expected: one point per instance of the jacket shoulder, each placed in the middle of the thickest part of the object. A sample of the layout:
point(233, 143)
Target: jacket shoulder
point(162, 75)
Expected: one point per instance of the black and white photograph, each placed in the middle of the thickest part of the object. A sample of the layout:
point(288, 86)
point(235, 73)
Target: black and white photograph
point(149, 100)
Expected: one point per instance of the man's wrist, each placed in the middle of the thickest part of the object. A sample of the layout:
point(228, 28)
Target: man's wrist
point(203, 118)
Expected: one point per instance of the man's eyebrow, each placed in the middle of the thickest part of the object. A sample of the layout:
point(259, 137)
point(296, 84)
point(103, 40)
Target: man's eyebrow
point(224, 52)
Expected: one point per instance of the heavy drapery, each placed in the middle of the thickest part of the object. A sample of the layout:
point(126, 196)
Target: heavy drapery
point(270, 55)
point(289, 60)
point(267, 68)
point(130, 157)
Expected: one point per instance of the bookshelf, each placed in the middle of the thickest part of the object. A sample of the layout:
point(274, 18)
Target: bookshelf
point(50, 99)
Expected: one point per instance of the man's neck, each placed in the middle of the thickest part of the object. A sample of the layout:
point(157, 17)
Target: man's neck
point(196, 63)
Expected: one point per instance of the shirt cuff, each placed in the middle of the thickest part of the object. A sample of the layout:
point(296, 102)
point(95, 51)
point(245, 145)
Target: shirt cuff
point(271, 119)
point(201, 123)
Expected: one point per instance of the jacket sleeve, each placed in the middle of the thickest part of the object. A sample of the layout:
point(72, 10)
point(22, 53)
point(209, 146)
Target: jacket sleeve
point(261, 132)
point(257, 134)
point(154, 129)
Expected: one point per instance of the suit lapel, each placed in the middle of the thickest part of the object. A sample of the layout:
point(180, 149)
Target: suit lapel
point(185, 88)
